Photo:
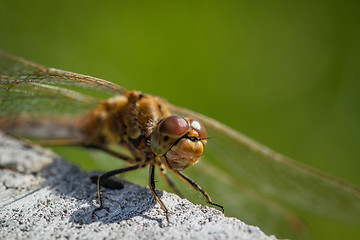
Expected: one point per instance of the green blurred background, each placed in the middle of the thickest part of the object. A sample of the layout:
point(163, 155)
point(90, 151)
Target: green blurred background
point(285, 73)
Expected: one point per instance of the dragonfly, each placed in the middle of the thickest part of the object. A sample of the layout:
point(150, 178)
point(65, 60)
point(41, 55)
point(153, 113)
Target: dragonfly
point(250, 180)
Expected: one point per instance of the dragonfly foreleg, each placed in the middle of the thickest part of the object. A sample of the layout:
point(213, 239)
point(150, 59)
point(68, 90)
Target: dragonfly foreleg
point(198, 188)
point(106, 175)
point(152, 188)
point(170, 181)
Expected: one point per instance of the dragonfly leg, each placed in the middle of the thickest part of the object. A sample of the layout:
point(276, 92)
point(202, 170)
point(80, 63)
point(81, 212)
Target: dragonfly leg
point(106, 175)
point(111, 152)
point(198, 188)
point(57, 142)
point(69, 142)
point(169, 181)
point(152, 188)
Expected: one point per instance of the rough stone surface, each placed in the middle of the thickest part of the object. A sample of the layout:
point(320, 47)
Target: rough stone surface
point(44, 197)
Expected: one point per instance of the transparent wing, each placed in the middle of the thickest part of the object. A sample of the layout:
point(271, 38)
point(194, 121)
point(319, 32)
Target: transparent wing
point(27, 87)
point(266, 188)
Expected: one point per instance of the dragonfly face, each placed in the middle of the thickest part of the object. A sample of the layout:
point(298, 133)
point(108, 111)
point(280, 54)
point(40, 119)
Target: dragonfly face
point(180, 141)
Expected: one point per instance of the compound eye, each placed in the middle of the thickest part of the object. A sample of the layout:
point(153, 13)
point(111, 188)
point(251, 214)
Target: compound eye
point(173, 126)
point(199, 128)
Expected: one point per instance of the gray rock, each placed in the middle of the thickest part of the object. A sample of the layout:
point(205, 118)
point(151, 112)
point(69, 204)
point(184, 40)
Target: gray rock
point(45, 197)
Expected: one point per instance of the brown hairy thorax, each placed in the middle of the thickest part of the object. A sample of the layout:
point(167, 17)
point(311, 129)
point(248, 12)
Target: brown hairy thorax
point(127, 120)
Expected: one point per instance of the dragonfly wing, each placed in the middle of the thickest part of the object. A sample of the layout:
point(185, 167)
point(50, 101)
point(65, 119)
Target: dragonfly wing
point(270, 180)
point(34, 95)
point(27, 87)
point(15, 70)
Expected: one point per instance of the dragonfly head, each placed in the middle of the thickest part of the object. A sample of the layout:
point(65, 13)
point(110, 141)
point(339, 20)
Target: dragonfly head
point(180, 140)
